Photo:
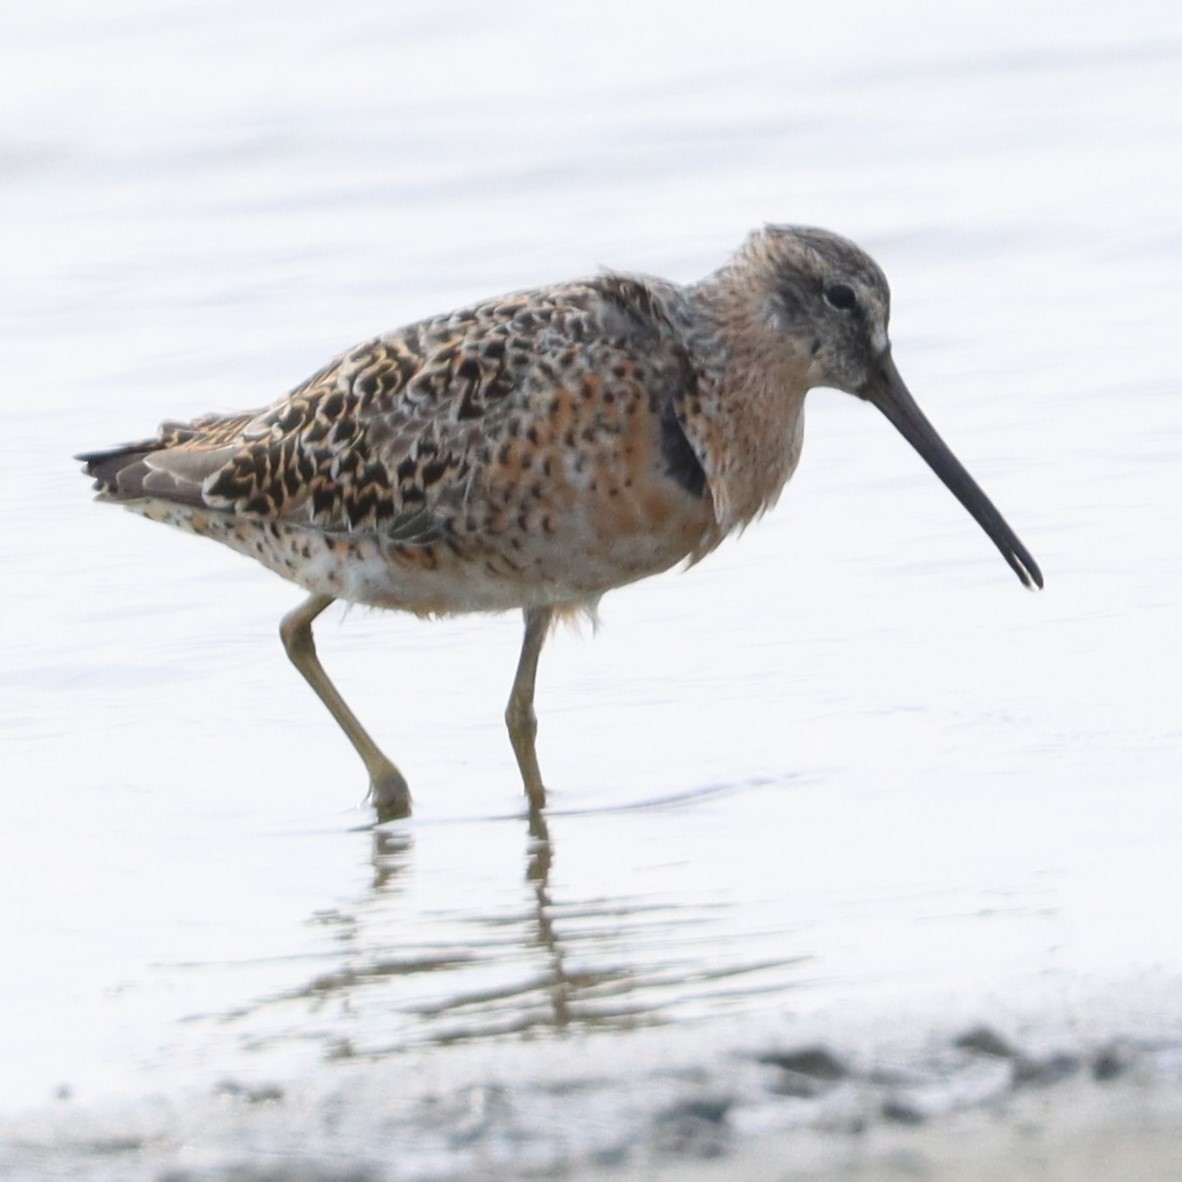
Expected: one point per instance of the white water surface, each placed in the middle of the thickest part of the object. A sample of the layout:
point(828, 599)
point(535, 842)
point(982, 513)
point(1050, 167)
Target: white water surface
point(844, 767)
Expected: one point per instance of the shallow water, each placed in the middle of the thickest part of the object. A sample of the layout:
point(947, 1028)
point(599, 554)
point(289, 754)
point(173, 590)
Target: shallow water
point(846, 766)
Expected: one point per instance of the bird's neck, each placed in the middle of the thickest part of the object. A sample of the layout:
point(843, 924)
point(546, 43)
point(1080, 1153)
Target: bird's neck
point(750, 425)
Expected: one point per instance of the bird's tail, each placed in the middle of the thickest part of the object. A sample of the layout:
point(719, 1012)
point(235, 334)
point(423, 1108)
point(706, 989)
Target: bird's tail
point(119, 471)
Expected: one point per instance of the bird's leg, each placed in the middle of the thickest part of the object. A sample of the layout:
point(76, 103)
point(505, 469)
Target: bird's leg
point(519, 714)
point(389, 790)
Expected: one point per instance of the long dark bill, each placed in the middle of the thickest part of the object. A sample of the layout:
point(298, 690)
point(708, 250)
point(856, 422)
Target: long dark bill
point(887, 390)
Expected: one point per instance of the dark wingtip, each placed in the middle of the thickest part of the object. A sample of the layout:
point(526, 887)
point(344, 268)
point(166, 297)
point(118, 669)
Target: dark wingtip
point(109, 463)
point(89, 458)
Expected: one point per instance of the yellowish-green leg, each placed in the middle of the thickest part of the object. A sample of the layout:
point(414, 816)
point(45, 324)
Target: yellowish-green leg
point(519, 714)
point(387, 786)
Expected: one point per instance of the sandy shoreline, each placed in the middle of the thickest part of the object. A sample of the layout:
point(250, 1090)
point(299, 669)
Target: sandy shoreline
point(1082, 1133)
point(960, 1104)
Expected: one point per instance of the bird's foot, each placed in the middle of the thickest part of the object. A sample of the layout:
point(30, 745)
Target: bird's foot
point(389, 791)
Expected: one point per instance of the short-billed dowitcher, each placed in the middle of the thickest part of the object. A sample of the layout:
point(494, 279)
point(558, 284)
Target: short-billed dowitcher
point(537, 450)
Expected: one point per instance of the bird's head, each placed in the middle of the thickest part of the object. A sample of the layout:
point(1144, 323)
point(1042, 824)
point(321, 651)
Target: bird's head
point(820, 299)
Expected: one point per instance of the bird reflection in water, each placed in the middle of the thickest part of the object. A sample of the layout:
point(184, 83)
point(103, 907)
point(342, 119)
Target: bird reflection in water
point(618, 962)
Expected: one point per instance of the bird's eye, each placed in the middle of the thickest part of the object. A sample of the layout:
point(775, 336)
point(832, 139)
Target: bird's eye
point(841, 296)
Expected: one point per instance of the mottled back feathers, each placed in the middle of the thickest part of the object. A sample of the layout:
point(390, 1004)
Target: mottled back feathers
point(410, 434)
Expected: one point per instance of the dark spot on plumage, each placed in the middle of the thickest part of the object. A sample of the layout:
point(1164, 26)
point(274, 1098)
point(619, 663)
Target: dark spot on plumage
point(291, 418)
point(816, 347)
point(469, 369)
point(498, 386)
point(494, 350)
point(406, 469)
point(332, 406)
point(681, 463)
point(367, 384)
point(471, 406)
point(258, 504)
point(362, 506)
point(228, 486)
point(316, 431)
point(324, 497)
point(434, 471)
point(375, 473)
point(412, 495)
point(342, 434)
point(532, 434)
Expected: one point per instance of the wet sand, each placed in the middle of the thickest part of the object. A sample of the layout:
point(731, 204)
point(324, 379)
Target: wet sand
point(1081, 1134)
point(723, 1106)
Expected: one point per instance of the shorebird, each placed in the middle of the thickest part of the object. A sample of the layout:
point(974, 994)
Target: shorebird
point(537, 450)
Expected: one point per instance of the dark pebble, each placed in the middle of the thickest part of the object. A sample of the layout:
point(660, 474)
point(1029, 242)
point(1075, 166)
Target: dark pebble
point(902, 1112)
point(1110, 1062)
point(262, 1094)
point(1041, 1072)
point(816, 1062)
point(712, 1110)
point(696, 1128)
point(986, 1042)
